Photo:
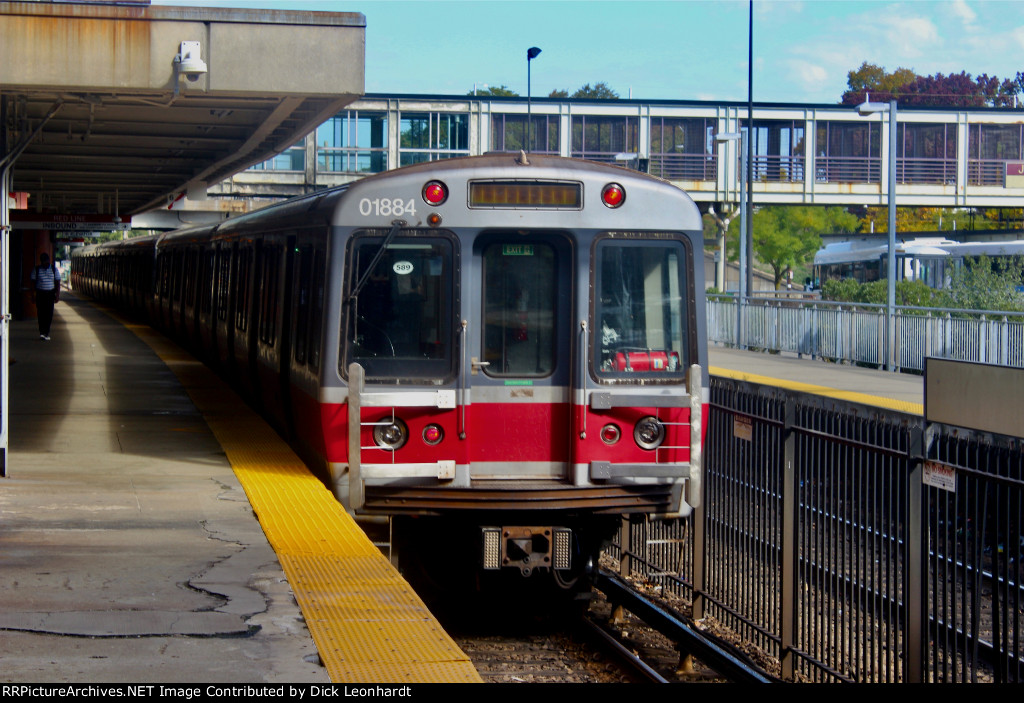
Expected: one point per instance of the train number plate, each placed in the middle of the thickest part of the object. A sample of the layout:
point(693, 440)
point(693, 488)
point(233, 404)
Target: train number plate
point(387, 207)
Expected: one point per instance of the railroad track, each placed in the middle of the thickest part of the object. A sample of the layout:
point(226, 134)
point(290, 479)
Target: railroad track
point(689, 643)
point(592, 647)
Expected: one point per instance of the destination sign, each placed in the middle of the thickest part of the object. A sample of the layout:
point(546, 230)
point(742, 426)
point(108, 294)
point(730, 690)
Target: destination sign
point(517, 249)
point(526, 194)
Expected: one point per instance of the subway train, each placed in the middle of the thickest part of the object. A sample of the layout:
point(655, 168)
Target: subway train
point(498, 356)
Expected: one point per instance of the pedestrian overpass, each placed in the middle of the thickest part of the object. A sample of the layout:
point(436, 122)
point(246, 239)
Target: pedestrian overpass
point(808, 154)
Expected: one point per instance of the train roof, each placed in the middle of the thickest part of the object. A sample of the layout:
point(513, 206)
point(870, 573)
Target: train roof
point(135, 243)
point(661, 200)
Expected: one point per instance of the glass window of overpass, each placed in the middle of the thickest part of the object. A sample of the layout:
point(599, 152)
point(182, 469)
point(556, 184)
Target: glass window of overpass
point(353, 142)
point(430, 136)
point(926, 153)
point(600, 137)
point(291, 159)
point(848, 152)
point(779, 150)
point(989, 146)
point(683, 149)
point(508, 133)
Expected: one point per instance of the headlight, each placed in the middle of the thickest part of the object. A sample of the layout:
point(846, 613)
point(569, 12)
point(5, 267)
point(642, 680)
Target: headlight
point(391, 435)
point(649, 433)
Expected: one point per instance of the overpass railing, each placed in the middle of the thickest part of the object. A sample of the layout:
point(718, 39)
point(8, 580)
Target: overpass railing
point(848, 542)
point(855, 333)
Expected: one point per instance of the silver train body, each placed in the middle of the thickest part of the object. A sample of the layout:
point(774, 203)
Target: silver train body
point(510, 348)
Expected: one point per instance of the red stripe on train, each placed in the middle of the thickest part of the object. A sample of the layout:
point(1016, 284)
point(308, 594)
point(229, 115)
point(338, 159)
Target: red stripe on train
point(511, 432)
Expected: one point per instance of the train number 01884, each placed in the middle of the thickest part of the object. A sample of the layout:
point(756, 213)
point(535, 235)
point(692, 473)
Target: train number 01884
point(387, 207)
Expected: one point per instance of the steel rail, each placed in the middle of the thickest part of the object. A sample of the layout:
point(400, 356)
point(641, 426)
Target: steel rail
point(623, 652)
point(697, 643)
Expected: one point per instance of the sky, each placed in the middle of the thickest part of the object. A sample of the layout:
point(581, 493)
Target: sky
point(670, 49)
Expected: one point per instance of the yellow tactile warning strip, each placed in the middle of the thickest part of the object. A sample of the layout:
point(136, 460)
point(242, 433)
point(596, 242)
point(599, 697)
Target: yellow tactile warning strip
point(368, 624)
point(879, 401)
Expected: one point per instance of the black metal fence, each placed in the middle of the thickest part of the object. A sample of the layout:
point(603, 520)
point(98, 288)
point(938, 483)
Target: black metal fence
point(852, 543)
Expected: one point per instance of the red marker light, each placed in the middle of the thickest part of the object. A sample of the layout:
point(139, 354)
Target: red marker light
point(432, 434)
point(435, 193)
point(610, 434)
point(613, 195)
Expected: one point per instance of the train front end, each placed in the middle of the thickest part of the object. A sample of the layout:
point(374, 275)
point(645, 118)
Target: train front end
point(522, 357)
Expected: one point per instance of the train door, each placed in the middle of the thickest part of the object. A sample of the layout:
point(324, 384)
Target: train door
point(520, 365)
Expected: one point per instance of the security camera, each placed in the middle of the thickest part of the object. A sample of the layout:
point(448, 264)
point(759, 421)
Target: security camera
point(189, 62)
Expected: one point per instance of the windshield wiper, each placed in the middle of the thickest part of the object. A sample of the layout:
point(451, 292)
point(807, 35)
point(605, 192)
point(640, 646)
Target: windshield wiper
point(395, 226)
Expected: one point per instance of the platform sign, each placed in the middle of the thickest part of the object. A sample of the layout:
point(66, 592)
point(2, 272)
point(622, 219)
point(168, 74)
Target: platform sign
point(743, 428)
point(1013, 174)
point(984, 397)
point(80, 224)
point(939, 475)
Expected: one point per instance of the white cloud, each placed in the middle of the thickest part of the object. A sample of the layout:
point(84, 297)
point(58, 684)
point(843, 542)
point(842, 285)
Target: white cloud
point(811, 75)
point(913, 36)
point(961, 9)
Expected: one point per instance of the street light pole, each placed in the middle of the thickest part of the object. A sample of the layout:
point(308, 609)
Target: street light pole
point(890, 312)
point(741, 139)
point(870, 108)
point(531, 54)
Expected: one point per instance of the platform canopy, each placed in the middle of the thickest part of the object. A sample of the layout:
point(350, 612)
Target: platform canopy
point(122, 107)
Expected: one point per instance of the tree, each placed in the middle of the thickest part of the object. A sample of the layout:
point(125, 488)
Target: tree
point(908, 88)
point(910, 293)
point(873, 79)
point(789, 235)
point(936, 219)
point(600, 91)
point(501, 91)
point(981, 284)
point(908, 219)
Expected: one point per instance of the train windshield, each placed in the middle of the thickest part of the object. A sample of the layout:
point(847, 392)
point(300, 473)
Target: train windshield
point(519, 308)
point(399, 321)
point(640, 309)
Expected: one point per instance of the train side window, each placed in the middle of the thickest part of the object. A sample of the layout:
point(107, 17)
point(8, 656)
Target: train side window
point(176, 275)
point(302, 263)
point(640, 309)
point(317, 311)
point(206, 280)
point(223, 293)
point(400, 320)
point(242, 273)
point(269, 274)
point(164, 272)
point(191, 262)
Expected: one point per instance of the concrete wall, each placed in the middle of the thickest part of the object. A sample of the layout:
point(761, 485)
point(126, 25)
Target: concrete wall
point(107, 48)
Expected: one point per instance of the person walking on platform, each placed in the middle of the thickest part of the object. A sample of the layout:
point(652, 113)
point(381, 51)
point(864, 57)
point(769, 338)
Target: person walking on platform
point(46, 292)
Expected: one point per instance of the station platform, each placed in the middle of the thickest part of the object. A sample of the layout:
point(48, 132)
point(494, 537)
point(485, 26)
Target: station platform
point(895, 391)
point(154, 529)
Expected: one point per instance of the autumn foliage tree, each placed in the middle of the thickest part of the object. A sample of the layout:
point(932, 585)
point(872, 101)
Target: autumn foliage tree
point(909, 88)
